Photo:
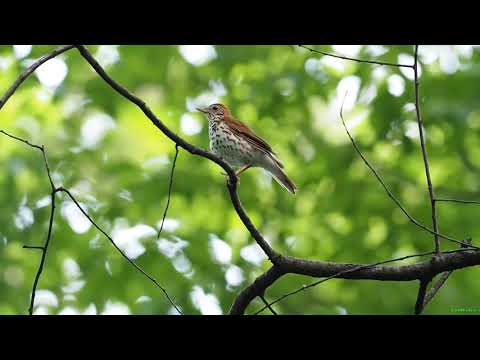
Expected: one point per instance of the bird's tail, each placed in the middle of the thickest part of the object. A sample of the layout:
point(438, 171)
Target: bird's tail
point(281, 177)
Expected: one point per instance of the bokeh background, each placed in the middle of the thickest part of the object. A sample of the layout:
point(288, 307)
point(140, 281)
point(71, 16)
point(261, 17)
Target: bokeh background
point(117, 164)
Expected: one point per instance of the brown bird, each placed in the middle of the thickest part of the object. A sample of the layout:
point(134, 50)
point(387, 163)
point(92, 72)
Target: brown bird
point(239, 146)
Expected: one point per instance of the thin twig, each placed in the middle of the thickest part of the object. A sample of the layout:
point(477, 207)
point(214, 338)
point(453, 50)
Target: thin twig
point(44, 248)
point(169, 190)
point(33, 247)
point(354, 59)
point(270, 307)
point(389, 193)
point(457, 201)
point(119, 250)
point(30, 70)
point(424, 152)
point(44, 254)
point(22, 140)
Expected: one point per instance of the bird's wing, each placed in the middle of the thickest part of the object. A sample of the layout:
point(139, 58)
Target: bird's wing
point(243, 130)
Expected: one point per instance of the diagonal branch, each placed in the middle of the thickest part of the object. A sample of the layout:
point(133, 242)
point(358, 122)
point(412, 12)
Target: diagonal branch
point(26, 73)
point(44, 248)
point(389, 192)
point(354, 59)
point(120, 250)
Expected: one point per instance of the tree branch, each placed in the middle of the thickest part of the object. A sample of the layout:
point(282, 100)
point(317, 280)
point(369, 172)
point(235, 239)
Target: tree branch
point(44, 248)
point(257, 288)
point(424, 152)
point(30, 70)
point(448, 260)
point(354, 59)
point(120, 250)
point(389, 192)
point(232, 178)
point(437, 286)
point(458, 201)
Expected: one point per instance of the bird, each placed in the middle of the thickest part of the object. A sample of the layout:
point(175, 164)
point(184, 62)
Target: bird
point(239, 146)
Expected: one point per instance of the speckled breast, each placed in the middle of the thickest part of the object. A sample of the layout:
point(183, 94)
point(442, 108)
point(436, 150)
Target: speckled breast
point(231, 148)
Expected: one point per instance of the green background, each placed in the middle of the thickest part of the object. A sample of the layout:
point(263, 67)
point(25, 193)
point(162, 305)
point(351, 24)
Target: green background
point(102, 148)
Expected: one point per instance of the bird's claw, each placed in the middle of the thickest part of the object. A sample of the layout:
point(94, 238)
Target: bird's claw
point(228, 178)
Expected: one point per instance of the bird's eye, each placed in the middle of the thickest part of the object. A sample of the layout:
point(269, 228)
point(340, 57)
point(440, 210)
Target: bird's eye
point(215, 108)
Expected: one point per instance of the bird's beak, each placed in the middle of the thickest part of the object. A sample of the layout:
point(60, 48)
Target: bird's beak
point(204, 110)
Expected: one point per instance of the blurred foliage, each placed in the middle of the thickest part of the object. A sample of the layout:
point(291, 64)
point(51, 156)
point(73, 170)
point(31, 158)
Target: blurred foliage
point(117, 164)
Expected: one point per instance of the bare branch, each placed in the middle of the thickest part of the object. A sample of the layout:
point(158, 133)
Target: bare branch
point(268, 305)
point(388, 191)
point(458, 201)
point(120, 250)
point(44, 248)
point(54, 190)
point(26, 73)
point(446, 261)
point(257, 288)
point(354, 59)
point(169, 190)
point(422, 290)
point(33, 247)
point(424, 152)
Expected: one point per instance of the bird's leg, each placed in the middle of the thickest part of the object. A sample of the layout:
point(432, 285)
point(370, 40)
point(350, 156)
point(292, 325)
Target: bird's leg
point(242, 169)
point(238, 172)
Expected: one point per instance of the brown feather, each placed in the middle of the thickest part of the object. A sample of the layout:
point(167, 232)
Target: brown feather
point(243, 130)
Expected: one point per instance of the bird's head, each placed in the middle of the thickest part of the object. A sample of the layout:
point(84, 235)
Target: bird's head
point(215, 111)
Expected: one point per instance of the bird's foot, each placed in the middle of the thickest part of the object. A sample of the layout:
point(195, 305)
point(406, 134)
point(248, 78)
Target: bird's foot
point(228, 178)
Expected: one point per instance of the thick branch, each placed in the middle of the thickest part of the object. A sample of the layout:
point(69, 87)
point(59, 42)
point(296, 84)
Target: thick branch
point(44, 248)
point(448, 261)
point(257, 288)
point(422, 290)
